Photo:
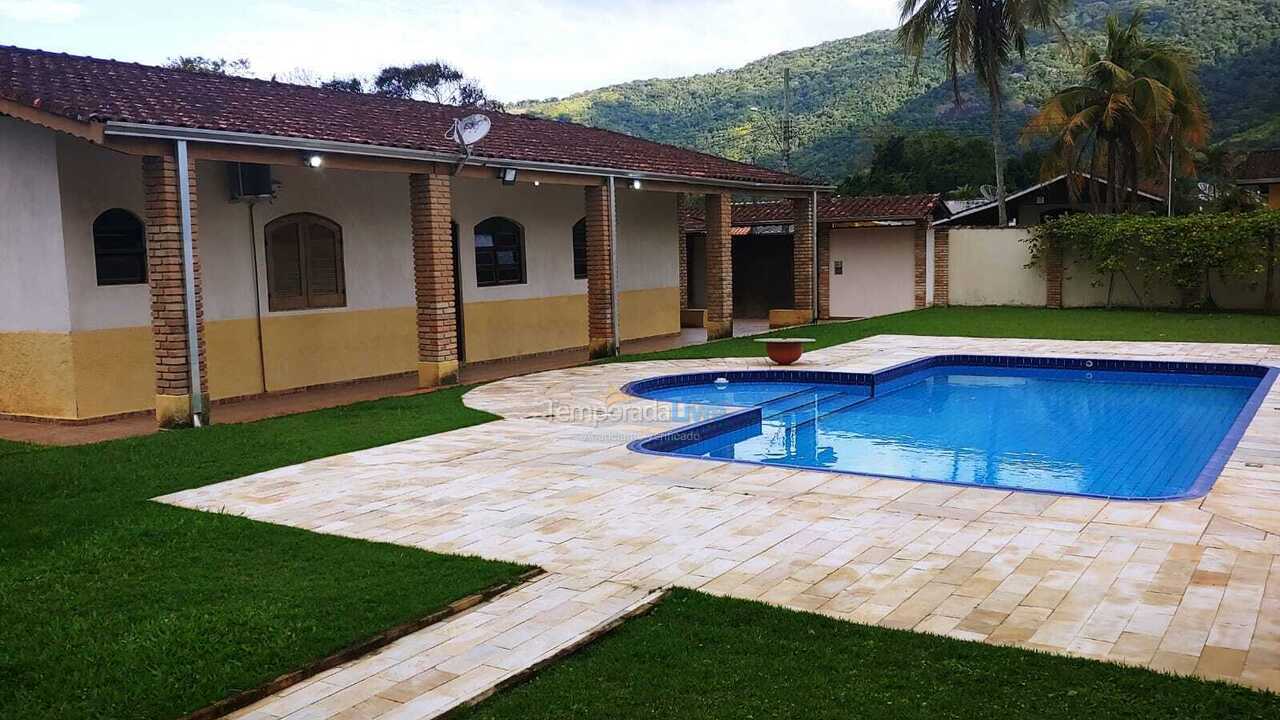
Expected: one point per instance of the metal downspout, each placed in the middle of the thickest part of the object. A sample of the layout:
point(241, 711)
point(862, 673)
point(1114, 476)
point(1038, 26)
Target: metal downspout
point(817, 268)
point(613, 265)
point(189, 284)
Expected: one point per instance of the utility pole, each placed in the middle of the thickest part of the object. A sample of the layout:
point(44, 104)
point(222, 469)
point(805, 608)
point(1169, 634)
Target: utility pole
point(1170, 198)
point(786, 119)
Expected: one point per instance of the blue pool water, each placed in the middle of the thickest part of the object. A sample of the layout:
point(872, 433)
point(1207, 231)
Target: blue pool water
point(1104, 433)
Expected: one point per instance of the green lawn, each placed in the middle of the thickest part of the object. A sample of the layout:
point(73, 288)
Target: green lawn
point(115, 607)
point(1084, 324)
point(699, 657)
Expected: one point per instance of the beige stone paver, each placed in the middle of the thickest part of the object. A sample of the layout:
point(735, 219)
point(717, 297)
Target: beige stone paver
point(442, 666)
point(1190, 586)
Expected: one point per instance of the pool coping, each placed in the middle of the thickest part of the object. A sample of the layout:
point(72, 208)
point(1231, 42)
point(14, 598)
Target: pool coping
point(733, 420)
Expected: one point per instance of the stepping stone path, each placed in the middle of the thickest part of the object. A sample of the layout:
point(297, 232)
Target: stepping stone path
point(461, 659)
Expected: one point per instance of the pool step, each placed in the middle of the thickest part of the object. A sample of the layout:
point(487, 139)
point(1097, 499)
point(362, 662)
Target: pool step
point(804, 401)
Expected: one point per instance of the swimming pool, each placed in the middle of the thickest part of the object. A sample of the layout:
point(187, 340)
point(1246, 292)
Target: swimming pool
point(1132, 430)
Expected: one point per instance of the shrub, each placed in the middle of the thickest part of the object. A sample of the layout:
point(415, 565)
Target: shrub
point(1183, 252)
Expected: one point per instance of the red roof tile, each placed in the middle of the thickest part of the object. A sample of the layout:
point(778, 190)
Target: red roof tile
point(1261, 165)
point(830, 209)
point(89, 89)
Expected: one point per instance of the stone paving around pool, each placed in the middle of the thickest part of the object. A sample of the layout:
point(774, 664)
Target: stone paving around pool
point(1189, 587)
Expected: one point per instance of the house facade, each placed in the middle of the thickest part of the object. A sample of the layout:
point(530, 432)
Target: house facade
point(877, 255)
point(1262, 171)
point(173, 239)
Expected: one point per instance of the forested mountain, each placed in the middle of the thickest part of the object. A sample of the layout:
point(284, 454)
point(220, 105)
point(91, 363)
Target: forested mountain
point(848, 93)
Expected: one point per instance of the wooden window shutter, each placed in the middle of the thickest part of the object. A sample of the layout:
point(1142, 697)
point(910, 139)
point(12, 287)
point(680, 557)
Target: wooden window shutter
point(326, 286)
point(285, 289)
point(304, 263)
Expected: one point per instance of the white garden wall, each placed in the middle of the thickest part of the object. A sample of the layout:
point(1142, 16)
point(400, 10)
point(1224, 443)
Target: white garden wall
point(988, 266)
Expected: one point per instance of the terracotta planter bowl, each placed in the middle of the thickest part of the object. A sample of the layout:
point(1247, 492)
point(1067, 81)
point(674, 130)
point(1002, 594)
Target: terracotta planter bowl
point(784, 351)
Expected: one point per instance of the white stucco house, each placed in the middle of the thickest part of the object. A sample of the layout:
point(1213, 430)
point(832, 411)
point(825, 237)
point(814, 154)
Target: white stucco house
point(173, 239)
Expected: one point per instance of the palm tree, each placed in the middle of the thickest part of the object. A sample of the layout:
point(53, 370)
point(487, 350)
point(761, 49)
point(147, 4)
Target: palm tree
point(982, 35)
point(1138, 113)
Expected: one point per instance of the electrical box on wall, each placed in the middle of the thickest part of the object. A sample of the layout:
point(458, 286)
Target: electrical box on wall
point(250, 181)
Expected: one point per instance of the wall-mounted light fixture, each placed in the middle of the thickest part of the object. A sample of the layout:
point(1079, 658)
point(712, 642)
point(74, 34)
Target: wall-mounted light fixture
point(537, 183)
point(635, 184)
point(508, 176)
point(314, 161)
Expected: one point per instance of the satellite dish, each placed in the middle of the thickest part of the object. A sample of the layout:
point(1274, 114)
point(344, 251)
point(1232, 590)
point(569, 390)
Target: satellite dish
point(988, 192)
point(470, 130)
point(466, 132)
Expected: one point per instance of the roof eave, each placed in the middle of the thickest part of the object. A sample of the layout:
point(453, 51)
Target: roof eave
point(991, 205)
point(280, 142)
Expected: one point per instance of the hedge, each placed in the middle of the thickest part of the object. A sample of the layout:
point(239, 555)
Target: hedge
point(1180, 251)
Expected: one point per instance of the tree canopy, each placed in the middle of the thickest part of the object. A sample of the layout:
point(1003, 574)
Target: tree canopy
point(849, 93)
point(937, 162)
point(1137, 112)
point(434, 81)
point(209, 65)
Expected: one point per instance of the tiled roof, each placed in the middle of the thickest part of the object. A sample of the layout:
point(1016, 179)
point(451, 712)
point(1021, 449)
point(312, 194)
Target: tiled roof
point(1261, 165)
point(830, 209)
point(89, 89)
point(879, 207)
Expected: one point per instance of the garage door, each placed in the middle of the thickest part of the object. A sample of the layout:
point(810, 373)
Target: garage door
point(872, 271)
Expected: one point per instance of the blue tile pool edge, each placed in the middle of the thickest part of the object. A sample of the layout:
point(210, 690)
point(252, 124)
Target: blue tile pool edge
point(736, 420)
point(1218, 460)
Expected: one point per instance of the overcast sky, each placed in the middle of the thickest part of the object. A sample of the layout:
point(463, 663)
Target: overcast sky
point(517, 49)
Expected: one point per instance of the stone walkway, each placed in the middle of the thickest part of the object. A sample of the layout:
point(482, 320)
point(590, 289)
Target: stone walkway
point(1189, 587)
point(440, 667)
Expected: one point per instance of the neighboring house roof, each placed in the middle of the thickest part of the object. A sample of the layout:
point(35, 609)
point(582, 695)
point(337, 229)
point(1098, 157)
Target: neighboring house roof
point(831, 209)
point(1261, 167)
point(108, 91)
point(1013, 197)
point(956, 206)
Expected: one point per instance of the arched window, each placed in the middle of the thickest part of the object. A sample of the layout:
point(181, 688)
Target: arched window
point(119, 248)
point(499, 252)
point(580, 249)
point(304, 263)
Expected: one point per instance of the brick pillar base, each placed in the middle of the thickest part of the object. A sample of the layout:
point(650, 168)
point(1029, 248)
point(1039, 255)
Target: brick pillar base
point(941, 267)
point(168, 290)
point(824, 272)
point(1053, 276)
point(920, 235)
point(719, 267)
point(430, 215)
point(600, 339)
point(802, 255)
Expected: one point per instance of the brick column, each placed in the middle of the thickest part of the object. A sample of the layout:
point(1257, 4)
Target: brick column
point(168, 289)
point(920, 240)
point(600, 339)
point(941, 262)
point(719, 267)
point(802, 255)
point(1053, 276)
point(824, 272)
point(430, 215)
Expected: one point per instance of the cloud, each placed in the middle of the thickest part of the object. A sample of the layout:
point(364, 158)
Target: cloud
point(36, 11)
